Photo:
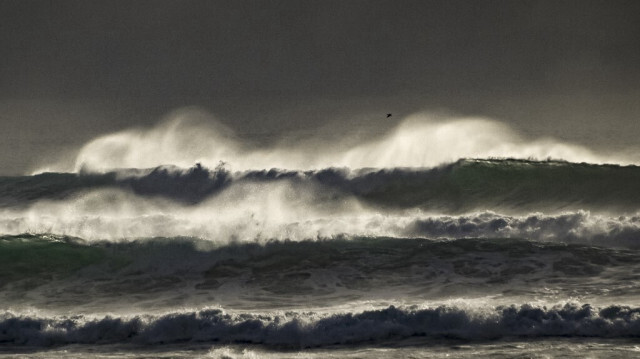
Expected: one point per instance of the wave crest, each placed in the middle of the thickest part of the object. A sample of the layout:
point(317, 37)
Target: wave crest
point(315, 330)
point(421, 140)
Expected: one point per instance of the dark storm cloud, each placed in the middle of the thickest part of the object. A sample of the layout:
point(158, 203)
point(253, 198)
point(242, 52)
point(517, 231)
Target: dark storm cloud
point(199, 48)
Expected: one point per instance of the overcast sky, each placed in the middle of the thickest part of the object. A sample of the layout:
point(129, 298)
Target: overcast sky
point(70, 70)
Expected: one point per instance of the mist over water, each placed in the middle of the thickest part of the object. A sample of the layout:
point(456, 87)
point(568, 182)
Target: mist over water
point(183, 138)
point(260, 213)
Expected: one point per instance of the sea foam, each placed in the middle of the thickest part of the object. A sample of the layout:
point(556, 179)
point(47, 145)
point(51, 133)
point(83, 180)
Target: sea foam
point(301, 330)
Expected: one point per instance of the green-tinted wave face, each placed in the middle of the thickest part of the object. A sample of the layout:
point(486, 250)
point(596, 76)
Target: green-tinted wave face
point(518, 185)
point(466, 185)
point(43, 257)
point(160, 272)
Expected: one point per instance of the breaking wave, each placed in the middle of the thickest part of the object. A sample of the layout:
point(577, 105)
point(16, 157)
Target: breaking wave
point(263, 223)
point(465, 185)
point(419, 141)
point(302, 330)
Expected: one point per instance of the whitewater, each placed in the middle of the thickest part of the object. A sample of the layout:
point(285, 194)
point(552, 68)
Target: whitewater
point(442, 237)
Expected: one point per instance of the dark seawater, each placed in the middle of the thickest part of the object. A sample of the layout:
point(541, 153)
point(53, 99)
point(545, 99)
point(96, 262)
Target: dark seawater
point(490, 258)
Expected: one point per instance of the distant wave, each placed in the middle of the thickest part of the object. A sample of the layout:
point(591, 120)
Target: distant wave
point(302, 330)
point(463, 186)
point(420, 140)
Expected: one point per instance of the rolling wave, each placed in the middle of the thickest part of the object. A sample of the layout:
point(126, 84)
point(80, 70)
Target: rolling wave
point(304, 330)
point(46, 254)
point(125, 219)
point(466, 185)
point(420, 140)
point(155, 273)
point(542, 201)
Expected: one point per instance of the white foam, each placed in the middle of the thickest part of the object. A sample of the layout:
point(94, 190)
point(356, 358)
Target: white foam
point(295, 210)
point(420, 140)
point(310, 329)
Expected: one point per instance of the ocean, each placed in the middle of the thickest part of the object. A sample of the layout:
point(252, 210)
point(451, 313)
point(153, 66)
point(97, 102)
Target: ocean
point(477, 256)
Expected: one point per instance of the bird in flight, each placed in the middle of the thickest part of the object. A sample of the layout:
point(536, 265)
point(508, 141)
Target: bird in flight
point(388, 115)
